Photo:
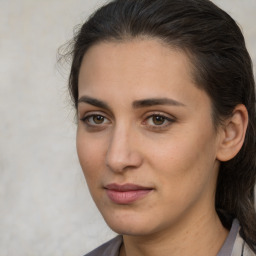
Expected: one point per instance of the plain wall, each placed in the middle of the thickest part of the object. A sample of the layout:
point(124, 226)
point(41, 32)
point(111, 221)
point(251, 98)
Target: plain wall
point(45, 207)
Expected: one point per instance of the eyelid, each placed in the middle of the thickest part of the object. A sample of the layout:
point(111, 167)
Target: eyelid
point(85, 114)
point(159, 113)
point(170, 119)
point(90, 114)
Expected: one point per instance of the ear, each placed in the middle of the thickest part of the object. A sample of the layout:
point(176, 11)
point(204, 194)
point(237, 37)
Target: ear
point(232, 134)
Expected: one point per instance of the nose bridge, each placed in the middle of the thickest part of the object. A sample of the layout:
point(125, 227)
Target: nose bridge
point(122, 151)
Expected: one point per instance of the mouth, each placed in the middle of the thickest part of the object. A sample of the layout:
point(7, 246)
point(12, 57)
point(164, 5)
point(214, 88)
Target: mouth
point(126, 193)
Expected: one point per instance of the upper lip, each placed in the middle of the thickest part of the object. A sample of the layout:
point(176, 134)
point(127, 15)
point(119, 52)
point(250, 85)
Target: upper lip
point(126, 187)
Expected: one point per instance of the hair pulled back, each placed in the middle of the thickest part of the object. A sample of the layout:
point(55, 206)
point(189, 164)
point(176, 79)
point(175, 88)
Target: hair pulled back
point(222, 68)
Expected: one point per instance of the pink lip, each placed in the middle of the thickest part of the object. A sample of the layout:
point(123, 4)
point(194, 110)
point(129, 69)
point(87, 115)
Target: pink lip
point(127, 193)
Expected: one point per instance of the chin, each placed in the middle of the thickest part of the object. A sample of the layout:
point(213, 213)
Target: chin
point(131, 230)
point(130, 224)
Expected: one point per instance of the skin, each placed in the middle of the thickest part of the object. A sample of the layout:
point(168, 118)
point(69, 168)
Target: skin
point(123, 142)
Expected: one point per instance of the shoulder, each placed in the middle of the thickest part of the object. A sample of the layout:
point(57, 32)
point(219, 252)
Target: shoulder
point(235, 245)
point(110, 248)
point(241, 247)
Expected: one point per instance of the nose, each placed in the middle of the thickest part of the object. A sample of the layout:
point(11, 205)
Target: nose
point(123, 152)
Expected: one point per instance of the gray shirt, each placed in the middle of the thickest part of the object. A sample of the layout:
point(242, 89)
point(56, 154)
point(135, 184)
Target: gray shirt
point(234, 245)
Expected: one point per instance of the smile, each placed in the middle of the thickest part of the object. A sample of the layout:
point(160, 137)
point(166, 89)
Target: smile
point(127, 193)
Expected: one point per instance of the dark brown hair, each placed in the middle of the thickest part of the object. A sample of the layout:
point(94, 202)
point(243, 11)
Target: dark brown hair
point(222, 68)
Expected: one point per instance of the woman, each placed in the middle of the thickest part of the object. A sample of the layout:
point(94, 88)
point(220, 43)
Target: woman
point(165, 101)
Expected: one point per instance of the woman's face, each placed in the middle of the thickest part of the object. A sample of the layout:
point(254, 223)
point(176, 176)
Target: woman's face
point(145, 137)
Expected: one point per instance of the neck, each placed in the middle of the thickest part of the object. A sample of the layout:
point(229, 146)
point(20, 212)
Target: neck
point(202, 236)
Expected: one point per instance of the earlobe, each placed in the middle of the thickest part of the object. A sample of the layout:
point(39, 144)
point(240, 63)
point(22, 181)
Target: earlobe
point(232, 134)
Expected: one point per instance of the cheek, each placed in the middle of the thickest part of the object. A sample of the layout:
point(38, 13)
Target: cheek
point(184, 162)
point(91, 154)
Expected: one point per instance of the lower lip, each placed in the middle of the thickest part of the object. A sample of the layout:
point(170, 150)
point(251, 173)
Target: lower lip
point(126, 197)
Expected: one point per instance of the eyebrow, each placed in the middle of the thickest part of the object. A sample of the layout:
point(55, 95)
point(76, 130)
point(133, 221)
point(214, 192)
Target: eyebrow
point(156, 101)
point(94, 102)
point(136, 104)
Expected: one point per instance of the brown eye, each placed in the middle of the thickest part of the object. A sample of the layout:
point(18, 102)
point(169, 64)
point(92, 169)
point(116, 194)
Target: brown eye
point(158, 120)
point(97, 119)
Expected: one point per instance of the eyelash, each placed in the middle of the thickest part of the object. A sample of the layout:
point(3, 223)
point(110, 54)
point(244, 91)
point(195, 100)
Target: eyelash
point(86, 120)
point(167, 121)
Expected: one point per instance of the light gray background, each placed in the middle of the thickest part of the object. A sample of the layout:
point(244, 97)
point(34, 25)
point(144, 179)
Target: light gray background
point(45, 207)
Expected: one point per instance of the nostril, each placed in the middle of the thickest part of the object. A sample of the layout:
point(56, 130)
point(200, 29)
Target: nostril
point(122, 153)
point(121, 160)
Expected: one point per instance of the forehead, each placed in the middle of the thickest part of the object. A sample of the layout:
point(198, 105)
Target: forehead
point(137, 69)
point(145, 58)
point(146, 51)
